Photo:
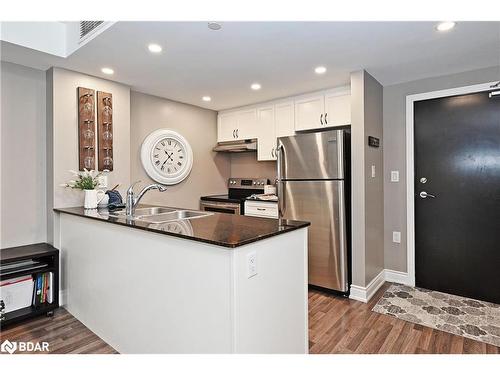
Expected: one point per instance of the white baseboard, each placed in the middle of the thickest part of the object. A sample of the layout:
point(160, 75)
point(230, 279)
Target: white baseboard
point(396, 277)
point(62, 297)
point(364, 294)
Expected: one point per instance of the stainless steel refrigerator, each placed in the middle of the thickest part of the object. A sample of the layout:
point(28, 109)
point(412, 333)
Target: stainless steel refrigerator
point(314, 185)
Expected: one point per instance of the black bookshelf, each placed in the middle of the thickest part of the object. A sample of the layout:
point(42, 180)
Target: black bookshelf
point(41, 252)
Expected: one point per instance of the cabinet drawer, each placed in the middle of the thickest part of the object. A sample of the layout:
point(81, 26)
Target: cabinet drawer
point(261, 209)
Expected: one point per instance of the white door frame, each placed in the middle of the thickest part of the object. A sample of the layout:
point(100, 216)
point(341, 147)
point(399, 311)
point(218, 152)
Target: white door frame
point(410, 164)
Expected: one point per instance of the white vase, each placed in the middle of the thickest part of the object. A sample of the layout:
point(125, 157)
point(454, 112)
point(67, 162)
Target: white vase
point(93, 197)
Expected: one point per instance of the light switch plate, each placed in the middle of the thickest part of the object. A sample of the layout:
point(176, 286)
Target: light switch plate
point(251, 264)
point(103, 182)
point(373, 171)
point(396, 237)
point(394, 176)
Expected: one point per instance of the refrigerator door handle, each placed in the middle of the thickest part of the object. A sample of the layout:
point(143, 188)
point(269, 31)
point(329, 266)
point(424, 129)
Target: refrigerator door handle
point(342, 235)
point(279, 181)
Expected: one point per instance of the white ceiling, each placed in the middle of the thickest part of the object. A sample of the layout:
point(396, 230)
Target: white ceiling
point(281, 56)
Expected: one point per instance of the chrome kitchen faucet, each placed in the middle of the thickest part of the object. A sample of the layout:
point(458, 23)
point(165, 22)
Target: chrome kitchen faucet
point(133, 200)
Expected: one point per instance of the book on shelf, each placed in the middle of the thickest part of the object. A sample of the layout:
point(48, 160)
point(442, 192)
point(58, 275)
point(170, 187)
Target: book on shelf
point(43, 288)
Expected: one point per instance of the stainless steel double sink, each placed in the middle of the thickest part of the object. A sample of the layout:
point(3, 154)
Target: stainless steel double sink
point(159, 215)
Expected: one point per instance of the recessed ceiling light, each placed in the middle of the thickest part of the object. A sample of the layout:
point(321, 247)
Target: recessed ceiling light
point(108, 71)
point(206, 98)
point(320, 70)
point(445, 26)
point(255, 86)
point(154, 48)
point(214, 26)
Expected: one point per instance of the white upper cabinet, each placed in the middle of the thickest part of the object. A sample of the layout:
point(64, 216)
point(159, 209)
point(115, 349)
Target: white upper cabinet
point(266, 140)
point(247, 124)
point(284, 119)
point(227, 123)
point(337, 109)
point(309, 112)
point(237, 125)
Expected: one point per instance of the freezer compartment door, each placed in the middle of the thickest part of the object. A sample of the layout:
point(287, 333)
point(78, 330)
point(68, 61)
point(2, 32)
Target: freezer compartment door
point(312, 156)
point(321, 203)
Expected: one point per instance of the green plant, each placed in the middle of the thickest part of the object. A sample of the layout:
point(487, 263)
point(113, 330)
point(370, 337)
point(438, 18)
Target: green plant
point(86, 180)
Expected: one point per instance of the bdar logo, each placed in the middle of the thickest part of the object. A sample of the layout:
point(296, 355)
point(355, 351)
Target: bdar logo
point(9, 347)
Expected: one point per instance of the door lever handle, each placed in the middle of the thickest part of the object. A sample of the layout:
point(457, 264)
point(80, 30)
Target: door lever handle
point(424, 194)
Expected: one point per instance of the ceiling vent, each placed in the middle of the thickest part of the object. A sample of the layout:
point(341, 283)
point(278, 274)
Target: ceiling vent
point(88, 27)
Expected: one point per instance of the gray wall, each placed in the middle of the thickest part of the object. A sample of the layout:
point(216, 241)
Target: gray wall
point(23, 164)
point(395, 151)
point(374, 186)
point(367, 197)
point(199, 126)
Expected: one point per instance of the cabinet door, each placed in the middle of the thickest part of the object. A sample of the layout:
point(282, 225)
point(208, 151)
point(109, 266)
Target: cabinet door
point(284, 119)
point(266, 140)
point(337, 109)
point(247, 124)
point(226, 126)
point(309, 112)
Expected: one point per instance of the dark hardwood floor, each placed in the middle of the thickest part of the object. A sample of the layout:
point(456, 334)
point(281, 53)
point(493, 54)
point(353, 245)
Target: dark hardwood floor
point(63, 332)
point(341, 325)
point(336, 325)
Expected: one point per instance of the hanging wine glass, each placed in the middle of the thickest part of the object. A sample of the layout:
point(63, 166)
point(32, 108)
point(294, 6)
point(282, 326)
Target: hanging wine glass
point(107, 161)
point(88, 134)
point(88, 106)
point(106, 113)
point(88, 160)
point(107, 135)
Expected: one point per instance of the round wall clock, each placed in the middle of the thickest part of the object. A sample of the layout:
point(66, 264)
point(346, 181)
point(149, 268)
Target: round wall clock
point(166, 156)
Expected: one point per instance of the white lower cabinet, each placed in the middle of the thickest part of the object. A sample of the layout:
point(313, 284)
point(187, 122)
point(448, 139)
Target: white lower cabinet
point(261, 209)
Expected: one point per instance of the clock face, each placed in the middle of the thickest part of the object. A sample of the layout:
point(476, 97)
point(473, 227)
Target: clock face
point(166, 156)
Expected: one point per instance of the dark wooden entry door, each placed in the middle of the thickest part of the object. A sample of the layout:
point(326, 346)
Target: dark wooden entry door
point(457, 160)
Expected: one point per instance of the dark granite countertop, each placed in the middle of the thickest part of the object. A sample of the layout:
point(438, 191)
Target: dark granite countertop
point(225, 230)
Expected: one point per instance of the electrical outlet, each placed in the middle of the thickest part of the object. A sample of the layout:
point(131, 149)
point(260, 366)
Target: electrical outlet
point(373, 171)
point(251, 264)
point(102, 182)
point(396, 237)
point(394, 176)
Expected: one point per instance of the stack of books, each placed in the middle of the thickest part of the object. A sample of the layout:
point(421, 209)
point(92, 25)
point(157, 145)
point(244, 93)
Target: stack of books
point(42, 288)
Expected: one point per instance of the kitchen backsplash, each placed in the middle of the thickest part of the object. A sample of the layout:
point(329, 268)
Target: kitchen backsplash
point(245, 164)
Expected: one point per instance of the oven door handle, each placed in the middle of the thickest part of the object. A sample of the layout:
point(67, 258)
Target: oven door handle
point(234, 206)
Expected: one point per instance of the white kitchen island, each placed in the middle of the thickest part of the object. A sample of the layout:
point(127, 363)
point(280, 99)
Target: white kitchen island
point(216, 284)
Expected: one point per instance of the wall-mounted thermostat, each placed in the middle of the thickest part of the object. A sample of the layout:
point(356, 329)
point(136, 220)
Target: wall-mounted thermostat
point(373, 141)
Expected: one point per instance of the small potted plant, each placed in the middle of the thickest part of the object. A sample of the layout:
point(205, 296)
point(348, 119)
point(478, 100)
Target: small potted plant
point(88, 182)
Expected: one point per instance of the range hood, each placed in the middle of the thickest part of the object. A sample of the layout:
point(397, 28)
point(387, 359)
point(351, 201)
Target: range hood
point(246, 145)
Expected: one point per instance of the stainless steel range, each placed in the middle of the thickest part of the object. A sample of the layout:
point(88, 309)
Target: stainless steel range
point(234, 201)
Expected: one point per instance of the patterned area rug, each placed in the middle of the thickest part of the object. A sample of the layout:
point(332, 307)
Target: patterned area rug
point(462, 316)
